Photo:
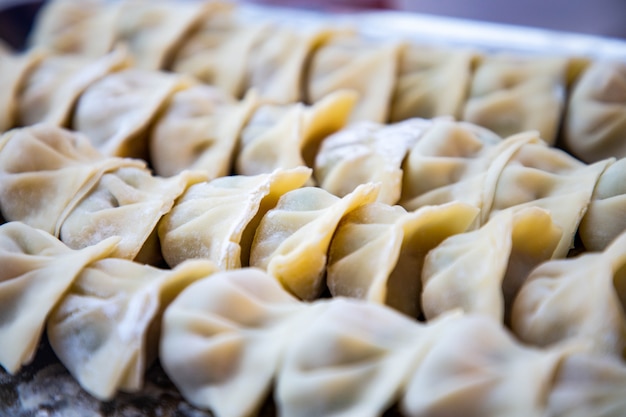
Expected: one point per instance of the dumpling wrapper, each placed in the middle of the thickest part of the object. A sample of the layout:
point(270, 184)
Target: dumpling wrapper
point(595, 123)
point(588, 385)
point(14, 71)
point(542, 176)
point(85, 27)
point(106, 330)
point(350, 358)
point(512, 94)
point(292, 240)
point(52, 88)
point(127, 202)
point(288, 136)
point(432, 82)
point(218, 51)
point(116, 112)
point(233, 328)
point(378, 251)
point(605, 217)
point(367, 152)
point(37, 271)
point(278, 62)
point(348, 62)
point(217, 220)
point(481, 271)
point(199, 129)
point(153, 30)
point(581, 299)
point(476, 369)
point(457, 161)
point(45, 171)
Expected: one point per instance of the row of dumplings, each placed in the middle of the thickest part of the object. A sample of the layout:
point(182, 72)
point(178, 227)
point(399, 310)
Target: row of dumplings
point(424, 262)
point(395, 79)
point(219, 334)
point(177, 124)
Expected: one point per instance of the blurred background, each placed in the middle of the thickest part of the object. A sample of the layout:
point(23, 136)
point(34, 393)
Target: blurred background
point(605, 18)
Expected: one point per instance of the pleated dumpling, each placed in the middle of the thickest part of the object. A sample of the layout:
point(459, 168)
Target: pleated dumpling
point(278, 62)
point(481, 271)
point(351, 358)
point(218, 51)
point(232, 328)
point(127, 202)
point(378, 251)
point(595, 123)
point(350, 62)
point(511, 94)
point(476, 369)
point(432, 82)
point(45, 170)
point(604, 219)
point(588, 385)
point(37, 271)
point(106, 330)
point(580, 299)
point(85, 27)
point(292, 240)
point(14, 70)
point(50, 90)
point(198, 129)
point(116, 111)
point(288, 136)
point(542, 176)
point(367, 152)
point(154, 29)
point(456, 161)
point(217, 219)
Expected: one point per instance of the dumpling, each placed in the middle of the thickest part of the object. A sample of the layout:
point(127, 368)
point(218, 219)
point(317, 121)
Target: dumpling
point(542, 176)
point(351, 358)
point(233, 327)
point(14, 70)
point(432, 82)
point(511, 94)
point(456, 161)
point(292, 240)
point(50, 90)
point(595, 123)
point(604, 219)
point(579, 299)
point(45, 171)
point(153, 30)
point(587, 385)
point(278, 62)
point(106, 329)
point(218, 51)
point(199, 129)
point(378, 251)
point(37, 271)
point(127, 202)
point(367, 152)
point(349, 62)
point(85, 27)
point(217, 219)
point(116, 112)
point(476, 369)
point(481, 271)
point(288, 136)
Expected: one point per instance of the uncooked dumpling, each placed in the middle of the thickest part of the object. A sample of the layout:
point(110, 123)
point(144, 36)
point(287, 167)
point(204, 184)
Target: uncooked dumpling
point(292, 240)
point(106, 329)
point(217, 219)
point(595, 123)
point(37, 271)
point(14, 70)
